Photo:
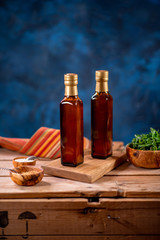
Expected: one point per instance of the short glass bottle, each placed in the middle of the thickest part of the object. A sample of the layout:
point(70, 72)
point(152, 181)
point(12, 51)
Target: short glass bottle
point(71, 123)
point(101, 118)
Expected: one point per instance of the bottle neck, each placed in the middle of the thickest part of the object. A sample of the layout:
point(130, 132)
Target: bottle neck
point(101, 86)
point(71, 90)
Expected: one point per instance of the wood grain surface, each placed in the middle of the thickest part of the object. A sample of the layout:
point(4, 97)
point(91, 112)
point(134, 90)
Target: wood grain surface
point(123, 205)
point(91, 170)
point(108, 186)
point(88, 237)
point(124, 181)
point(75, 216)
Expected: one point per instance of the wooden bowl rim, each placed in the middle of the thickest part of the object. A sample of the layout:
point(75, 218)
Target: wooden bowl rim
point(147, 151)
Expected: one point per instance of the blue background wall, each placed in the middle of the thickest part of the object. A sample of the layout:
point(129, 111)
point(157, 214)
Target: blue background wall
point(41, 40)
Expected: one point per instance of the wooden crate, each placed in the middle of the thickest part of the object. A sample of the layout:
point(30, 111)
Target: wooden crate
point(123, 205)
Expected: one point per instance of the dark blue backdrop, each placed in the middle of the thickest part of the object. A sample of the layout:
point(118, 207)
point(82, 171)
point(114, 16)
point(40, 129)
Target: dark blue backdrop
point(40, 40)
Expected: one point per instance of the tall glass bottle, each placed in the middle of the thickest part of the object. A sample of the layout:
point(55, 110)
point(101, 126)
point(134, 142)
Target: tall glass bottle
point(101, 117)
point(71, 123)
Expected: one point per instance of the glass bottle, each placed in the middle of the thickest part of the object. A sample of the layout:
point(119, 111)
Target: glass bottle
point(101, 117)
point(71, 123)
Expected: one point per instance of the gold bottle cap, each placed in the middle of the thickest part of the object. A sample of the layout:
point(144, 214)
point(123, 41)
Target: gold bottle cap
point(71, 81)
point(102, 75)
point(102, 81)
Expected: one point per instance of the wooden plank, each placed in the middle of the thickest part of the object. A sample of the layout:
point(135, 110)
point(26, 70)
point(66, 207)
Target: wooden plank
point(91, 170)
point(56, 187)
point(128, 169)
point(108, 186)
point(138, 186)
point(80, 217)
point(89, 237)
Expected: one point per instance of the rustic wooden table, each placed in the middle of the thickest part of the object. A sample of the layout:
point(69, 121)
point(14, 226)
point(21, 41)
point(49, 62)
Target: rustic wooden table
point(123, 205)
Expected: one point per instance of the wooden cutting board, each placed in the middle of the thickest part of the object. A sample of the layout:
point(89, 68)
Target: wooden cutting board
point(91, 170)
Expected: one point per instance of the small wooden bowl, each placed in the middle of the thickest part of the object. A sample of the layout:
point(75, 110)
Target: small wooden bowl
point(26, 175)
point(143, 158)
point(17, 163)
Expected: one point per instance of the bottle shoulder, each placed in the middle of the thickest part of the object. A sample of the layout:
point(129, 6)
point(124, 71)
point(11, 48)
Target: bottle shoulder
point(102, 95)
point(72, 100)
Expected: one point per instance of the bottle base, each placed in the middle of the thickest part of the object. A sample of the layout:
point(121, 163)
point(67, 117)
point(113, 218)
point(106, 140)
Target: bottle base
point(71, 164)
point(101, 157)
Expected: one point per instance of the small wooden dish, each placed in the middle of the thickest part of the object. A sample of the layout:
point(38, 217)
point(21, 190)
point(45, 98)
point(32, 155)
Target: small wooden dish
point(143, 158)
point(22, 161)
point(26, 175)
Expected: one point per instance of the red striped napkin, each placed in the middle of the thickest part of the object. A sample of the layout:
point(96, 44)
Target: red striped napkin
point(44, 143)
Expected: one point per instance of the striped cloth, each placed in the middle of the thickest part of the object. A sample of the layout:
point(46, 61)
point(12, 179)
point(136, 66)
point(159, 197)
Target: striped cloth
point(44, 143)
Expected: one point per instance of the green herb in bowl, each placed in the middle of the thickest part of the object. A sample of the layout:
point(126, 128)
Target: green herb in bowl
point(150, 141)
point(144, 150)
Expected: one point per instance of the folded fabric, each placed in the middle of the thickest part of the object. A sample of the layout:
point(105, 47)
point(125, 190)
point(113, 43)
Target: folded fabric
point(44, 143)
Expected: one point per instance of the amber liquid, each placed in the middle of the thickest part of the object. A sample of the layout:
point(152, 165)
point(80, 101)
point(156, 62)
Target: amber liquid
point(101, 124)
point(71, 126)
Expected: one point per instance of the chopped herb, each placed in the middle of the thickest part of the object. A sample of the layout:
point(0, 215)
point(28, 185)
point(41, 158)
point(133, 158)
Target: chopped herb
point(150, 141)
